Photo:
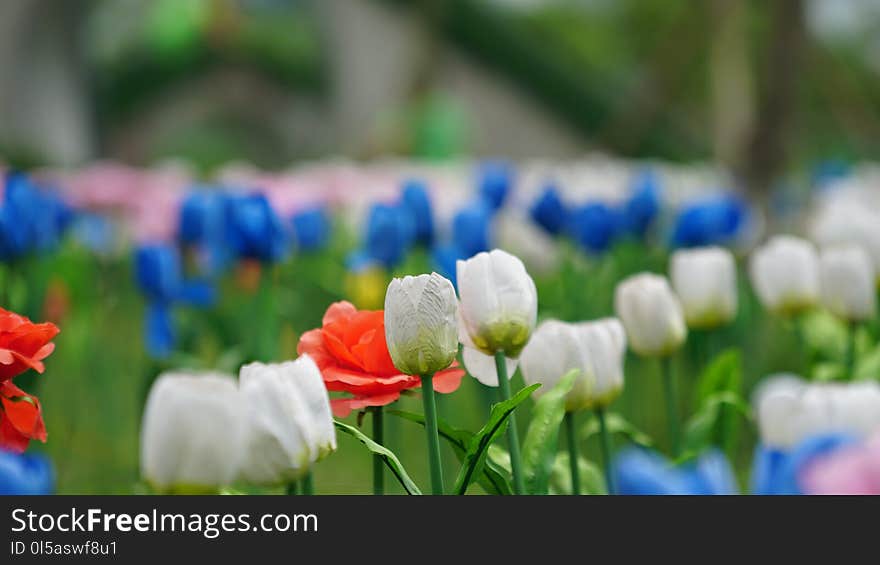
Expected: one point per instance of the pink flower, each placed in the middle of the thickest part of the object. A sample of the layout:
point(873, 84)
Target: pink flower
point(854, 470)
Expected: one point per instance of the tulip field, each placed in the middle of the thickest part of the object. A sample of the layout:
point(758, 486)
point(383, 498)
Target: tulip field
point(592, 327)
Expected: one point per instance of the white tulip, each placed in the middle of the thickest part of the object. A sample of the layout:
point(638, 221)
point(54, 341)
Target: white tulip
point(651, 313)
point(705, 282)
point(776, 405)
point(791, 410)
point(785, 275)
point(595, 349)
point(499, 302)
point(847, 282)
point(191, 435)
point(520, 236)
point(847, 217)
point(421, 323)
point(289, 422)
point(606, 340)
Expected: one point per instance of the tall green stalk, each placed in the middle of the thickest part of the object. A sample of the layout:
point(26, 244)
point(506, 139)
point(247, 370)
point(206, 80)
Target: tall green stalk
point(671, 393)
point(378, 437)
point(851, 350)
point(605, 443)
point(430, 405)
point(512, 433)
point(308, 485)
point(572, 453)
point(292, 488)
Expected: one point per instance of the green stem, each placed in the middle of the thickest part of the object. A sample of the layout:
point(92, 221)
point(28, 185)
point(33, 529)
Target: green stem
point(572, 453)
point(433, 434)
point(378, 437)
point(308, 485)
point(512, 434)
point(671, 404)
point(851, 351)
point(292, 488)
point(605, 444)
point(266, 348)
point(802, 349)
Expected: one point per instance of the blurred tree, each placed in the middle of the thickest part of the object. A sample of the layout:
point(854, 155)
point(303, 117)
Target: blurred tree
point(767, 149)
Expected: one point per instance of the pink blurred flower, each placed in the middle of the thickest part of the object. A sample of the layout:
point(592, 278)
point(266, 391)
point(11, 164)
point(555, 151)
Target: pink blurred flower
point(854, 470)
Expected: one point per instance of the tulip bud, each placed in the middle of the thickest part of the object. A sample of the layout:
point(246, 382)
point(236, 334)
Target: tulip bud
point(499, 302)
point(421, 323)
point(191, 435)
point(705, 282)
point(289, 423)
point(595, 349)
point(847, 282)
point(791, 410)
point(785, 275)
point(651, 314)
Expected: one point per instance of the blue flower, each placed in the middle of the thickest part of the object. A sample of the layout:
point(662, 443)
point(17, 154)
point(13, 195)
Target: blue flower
point(13, 239)
point(202, 217)
point(444, 259)
point(157, 270)
point(311, 229)
point(595, 226)
point(643, 205)
point(549, 211)
point(639, 471)
point(390, 234)
point(713, 221)
point(777, 472)
point(159, 277)
point(24, 473)
point(470, 229)
point(254, 229)
point(494, 181)
point(415, 199)
point(32, 218)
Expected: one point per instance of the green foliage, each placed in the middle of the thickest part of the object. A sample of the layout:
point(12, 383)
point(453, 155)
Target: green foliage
point(706, 426)
point(475, 456)
point(540, 444)
point(388, 456)
point(718, 401)
point(492, 479)
point(592, 479)
point(723, 374)
point(825, 336)
point(618, 425)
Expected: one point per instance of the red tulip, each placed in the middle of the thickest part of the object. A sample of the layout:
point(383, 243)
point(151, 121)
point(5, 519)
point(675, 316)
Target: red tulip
point(23, 346)
point(351, 352)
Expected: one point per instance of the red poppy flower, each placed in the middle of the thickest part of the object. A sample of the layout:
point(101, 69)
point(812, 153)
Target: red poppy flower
point(351, 352)
point(23, 344)
point(21, 418)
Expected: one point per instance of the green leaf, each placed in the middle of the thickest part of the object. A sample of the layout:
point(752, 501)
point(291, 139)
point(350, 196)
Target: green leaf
point(386, 454)
point(540, 444)
point(868, 366)
point(828, 371)
point(617, 424)
point(492, 479)
point(701, 430)
point(592, 479)
point(472, 465)
point(722, 374)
